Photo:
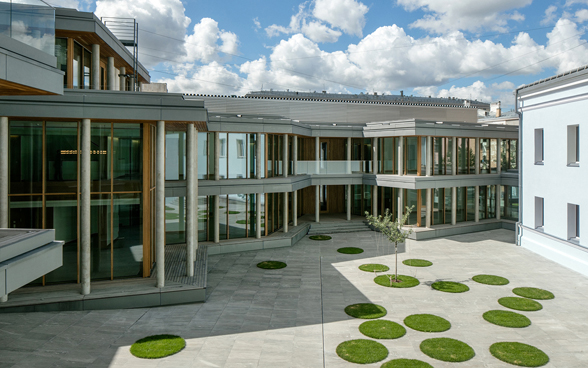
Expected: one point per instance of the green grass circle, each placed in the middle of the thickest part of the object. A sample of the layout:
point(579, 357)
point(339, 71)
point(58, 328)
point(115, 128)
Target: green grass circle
point(417, 262)
point(366, 310)
point(519, 354)
point(450, 287)
point(233, 212)
point(271, 265)
point(427, 323)
point(157, 346)
point(533, 293)
point(320, 237)
point(490, 280)
point(242, 222)
point(447, 350)
point(522, 304)
point(506, 319)
point(362, 351)
point(371, 267)
point(406, 363)
point(350, 250)
point(405, 281)
point(381, 329)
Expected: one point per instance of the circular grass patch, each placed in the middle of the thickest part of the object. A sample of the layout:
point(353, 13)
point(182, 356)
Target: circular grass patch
point(450, 287)
point(374, 267)
point(406, 363)
point(366, 311)
point(362, 351)
point(389, 281)
point(233, 212)
point(350, 250)
point(417, 262)
point(507, 319)
point(522, 304)
point(427, 323)
point(271, 265)
point(447, 350)
point(242, 222)
point(519, 354)
point(381, 329)
point(490, 280)
point(533, 293)
point(157, 346)
point(320, 237)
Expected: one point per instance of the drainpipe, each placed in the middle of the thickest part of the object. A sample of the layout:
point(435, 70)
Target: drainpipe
point(519, 226)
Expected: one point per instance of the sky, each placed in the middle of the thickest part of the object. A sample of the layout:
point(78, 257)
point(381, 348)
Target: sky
point(471, 49)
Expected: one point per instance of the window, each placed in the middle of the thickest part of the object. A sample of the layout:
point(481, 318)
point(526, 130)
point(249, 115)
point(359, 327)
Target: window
point(240, 148)
point(539, 156)
point(573, 222)
point(539, 214)
point(573, 145)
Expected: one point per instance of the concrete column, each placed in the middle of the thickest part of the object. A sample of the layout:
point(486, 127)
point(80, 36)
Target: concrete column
point(295, 208)
point(454, 156)
point(317, 151)
point(477, 204)
point(429, 160)
point(477, 155)
point(4, 132)
point(499, 155)
point(400, 203)
point(498, 202)
point(216, 156)
point(191, 219)
point(285, 163)
point(374, 155)
point(349, 201)
point(429, 204)
point(258, 215)
point(85, 205)
point(453, 205)
point(160, 203)
point(374, 200)
point(295, 158)
point(96, 66)
point(216, 219)
point(111, 73)
point(401, 156)
point(122, 79)
point(317, 204)
point(285, 209)
point(349, 155)
point(257, 156)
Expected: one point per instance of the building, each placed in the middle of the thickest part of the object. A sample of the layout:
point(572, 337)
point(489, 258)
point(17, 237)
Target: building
point(553, 202)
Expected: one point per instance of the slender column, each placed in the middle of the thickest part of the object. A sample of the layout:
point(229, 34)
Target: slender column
point(295, 158)
point(216, 220)
point(454, 156)
point(190, 218)
point(348, 155)
point(401, 156)
point(498, 202)
point(258, 215)
point(85, 210)
point(375, 200)
point(400, 203)
point(160, 204)
point(285, 163)
point(96, 66)
point(477, 155)
point(122, 79)
point(453, 205)
point(429, 203)
point(317, 204)
point(194, 211)
point(285, 209)
point(4, 172)
point(429, 160)
point(257, 156)
point(498, 155)
point(111, 72)
point(374, 155)
point(295, 208)
point(317, 154)
point(349, 201)
point(216, 156)
point(477, 204)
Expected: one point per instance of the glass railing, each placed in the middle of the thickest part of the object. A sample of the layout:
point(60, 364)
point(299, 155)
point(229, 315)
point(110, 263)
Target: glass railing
point(329, 167)
point(31, 22)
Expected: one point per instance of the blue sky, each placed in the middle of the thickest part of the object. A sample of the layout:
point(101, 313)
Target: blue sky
point(462, 48)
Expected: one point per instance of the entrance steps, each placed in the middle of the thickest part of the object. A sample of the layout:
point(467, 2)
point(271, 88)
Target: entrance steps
point(338, 227)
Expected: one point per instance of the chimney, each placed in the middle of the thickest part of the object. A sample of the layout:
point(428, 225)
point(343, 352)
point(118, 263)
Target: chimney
point(401, 93)
point(498, 110)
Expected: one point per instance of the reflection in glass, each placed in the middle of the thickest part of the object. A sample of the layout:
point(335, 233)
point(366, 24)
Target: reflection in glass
point(222, 162)
point(223, 203)
point(202, 155)
point(31, 22)
point(175, 220)
point(471, 203)
point(61, 55)
point(202, 218)
point(26, 212)
point(175, 155)
point(237, 215)
point(128, 235)
point(461, 204)
point(61, 214)
point(128, 158)
point(411, 152)
point(237, 151)
point(26, 138)
point(100, 158)
point(61, 157)
point(388, 150)
point(252, 216)
point(101, 243)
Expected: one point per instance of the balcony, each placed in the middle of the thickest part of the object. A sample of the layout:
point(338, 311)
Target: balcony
point(332, 167)
point(31, 22)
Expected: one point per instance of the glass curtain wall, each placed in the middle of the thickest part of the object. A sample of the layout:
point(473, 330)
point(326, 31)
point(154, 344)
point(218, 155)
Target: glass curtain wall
point(388, 156)
point(487, 202)
point(509, 205)
point(411, 153)
point(441, 206)
point(508, 154)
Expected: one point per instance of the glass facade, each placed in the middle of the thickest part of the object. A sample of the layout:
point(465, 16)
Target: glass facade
point(31, 22)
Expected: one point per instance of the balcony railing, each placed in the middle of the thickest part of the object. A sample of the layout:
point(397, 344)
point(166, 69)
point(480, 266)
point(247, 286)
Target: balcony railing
point(330, 167)
point(31, 22)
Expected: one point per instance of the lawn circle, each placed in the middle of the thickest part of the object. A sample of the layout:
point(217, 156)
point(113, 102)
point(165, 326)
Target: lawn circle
point(519, 354)
point(447, 350)
point(405, 281)
point(490, 280)
point(366, 311)
point(507, 319)
point(533, 293)
point(242, 222)
point(350, 250)
point(450, 287)
point(406, 363)
point(427, 323)
point(522, 304)
point(417, 262)
point(157, 346)
point(362, 351)
point(271, 265)
point(374, 267)
point(381, 329)
point(320, 237)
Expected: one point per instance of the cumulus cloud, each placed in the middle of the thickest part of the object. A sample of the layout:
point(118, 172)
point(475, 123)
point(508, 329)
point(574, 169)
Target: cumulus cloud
point(476, 91)
point(444, 16)
point(207, 40)
point(550, 14)
point(212, 78)
point(581, 15)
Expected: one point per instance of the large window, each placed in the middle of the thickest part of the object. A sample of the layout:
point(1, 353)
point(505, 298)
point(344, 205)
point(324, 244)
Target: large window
point(509, 155)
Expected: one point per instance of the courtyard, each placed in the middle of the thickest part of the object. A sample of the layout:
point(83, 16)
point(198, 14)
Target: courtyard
point(295, 316)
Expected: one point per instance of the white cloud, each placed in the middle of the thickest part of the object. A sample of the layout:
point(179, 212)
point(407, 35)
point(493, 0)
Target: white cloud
point(444, 16)
point(74, 4)
point(318, 32)
point(212, 78)
point(550, 14)
point(347, 15)
point(476, 91)
point(256, 23)
point(581, 15)
point(203, 44)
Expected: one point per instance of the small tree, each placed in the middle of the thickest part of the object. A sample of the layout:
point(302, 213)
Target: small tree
point(392, 230)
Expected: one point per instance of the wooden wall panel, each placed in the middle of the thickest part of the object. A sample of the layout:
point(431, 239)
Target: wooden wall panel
point(336, 199)
point(308, 195)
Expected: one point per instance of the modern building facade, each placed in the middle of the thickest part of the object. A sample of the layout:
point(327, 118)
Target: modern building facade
point(553, 202)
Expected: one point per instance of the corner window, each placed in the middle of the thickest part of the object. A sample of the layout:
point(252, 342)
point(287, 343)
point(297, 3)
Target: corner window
point(539, 214)
point(573, 145)
point(539, 155)
point(573, 222)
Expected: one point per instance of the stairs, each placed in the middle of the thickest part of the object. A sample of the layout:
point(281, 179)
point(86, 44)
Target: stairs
point(338, 227)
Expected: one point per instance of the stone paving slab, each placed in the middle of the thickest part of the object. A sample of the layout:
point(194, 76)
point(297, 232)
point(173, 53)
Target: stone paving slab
point(294, 317)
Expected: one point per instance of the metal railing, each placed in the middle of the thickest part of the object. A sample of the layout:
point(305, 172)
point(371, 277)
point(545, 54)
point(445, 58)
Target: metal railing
point(31, 22)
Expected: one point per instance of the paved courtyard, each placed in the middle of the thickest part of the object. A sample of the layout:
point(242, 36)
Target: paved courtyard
point(294, 317)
